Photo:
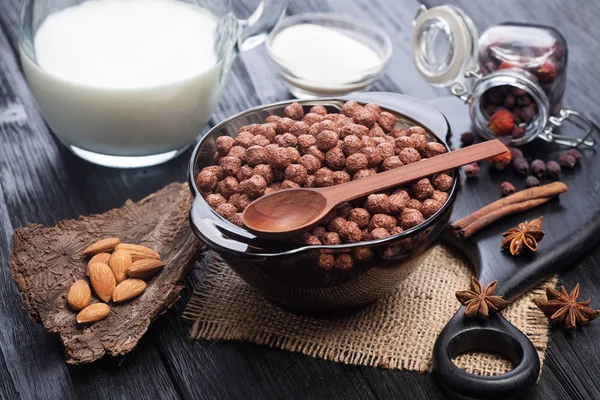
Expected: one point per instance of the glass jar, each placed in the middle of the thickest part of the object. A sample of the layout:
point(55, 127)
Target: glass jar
point(513, 77)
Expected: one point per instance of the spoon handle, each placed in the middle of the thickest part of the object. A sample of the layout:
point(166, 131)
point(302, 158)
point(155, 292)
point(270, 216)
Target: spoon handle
point(411, 172)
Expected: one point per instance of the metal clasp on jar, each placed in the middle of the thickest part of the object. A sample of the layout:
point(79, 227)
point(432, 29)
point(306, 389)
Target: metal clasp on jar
point(575, 118)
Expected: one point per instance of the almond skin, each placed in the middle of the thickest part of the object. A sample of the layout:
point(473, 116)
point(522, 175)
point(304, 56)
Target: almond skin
point(103, 281)
point(79, 295)
point(102, 246)
point(128, 289)
point(119, 262)
point(100, 257)
point(138, 252)
point(144, 268)
point(93, 313)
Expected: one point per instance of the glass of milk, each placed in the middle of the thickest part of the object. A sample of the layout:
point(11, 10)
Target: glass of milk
point(131, 83)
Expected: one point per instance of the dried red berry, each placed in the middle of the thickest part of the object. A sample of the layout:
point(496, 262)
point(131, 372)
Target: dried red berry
point(567, 161)
point(500, 161)
point(507, 188)
point(576, 154)
point(521, 165)
point(518, 132)
point(471, 170)
point(547, 72)
point(553, 169)
point(515, 153)
point(532, 181)
point(539, 168)
point(467, 138)
point(502, 123)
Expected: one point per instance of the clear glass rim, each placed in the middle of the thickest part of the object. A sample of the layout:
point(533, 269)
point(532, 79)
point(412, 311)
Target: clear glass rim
point(324, 16)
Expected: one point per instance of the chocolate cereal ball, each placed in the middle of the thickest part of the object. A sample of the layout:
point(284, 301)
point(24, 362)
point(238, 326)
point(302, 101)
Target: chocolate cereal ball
point(254, 187)
point(382, 221)
point(331, 238)
point(353, 129)
point(409, 156)
point(294, 111)
point(326, 261)
point(356, 162)
point(420, 142)
point(335, 158)
point(325, 125)
point(228, 186)
point(215, 169)
point(434, 149)
point(439, 196)
point(294, 155)
point(403, 142)
point(231, 165)
point(362, 254)
point(398, 132)
point(365, 117)
point(361, 216)
point(336, 224)
point(344, 209)
point(323, 177)
point(287, 184)
point(378, 233)
point(422, 189)
point(249, 128)
point(224, 144)
point(442, 182)
point(310, 163)
point(373, 156)
point(280, 158)
point(352, 144)
point(259, 140)
point(396, 230)
point(340, 177)
point(284, 125)
point(226, 210)
point(256, 155)
point(299, 128)
point(327, 140)
point(240, 201)
point(319, 231)
point(363, 173)
point(267, 130)
point(305, 141)
point(416, 130)
point(373, 108)
point(351, 232)
point(376, 131)
point(391, 163)
point(321, 110)
point(286, 140)
point(344, 262)
point(272, 118)
point(350, 108)
point(237, 219)
point(296, 173)
point(410, 218)
point(414, 204)
point(243, 139)
point(430, 207)
point(386, 150)
point(387, 121)
point(312, 118)
point(398, 201)
point(206, 180)
point(237, 152)
point(264, 170)
point(214, 200)
point(314, 151)
point(378, 203)
point(310, 181)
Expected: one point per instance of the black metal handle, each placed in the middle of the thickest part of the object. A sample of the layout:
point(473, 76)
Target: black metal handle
point(496, 335)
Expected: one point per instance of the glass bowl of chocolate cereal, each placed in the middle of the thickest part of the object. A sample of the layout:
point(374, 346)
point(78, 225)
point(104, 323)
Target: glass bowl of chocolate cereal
point(362, 249)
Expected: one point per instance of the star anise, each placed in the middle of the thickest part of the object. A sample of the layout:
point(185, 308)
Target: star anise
point(480, 301)
point(528, 234)
point(563, 307)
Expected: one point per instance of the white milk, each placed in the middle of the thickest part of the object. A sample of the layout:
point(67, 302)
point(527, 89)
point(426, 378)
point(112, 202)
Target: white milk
point(324, 59)
point(126, 77)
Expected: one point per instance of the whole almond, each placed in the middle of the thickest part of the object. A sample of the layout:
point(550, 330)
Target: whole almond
point(100, 257)
point(79, 295)
point(102, 246)
point(128, 289)
point(119, 262)
point(103, 281)
point(138, 252)
point(93, 313)
point(144, 268)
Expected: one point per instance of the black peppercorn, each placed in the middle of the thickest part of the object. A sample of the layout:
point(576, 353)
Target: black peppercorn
point(553, 169)
point(567, 161)
point(467, 138)
point(532, 181)
point(507, 188)
point(471, 170)
point(539, 168)
point(521, 165)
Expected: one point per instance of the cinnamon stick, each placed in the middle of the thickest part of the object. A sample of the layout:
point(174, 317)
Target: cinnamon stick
point(545, 191)
point(495, 215)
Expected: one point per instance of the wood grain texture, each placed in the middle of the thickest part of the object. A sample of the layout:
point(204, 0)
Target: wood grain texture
point(41, 182)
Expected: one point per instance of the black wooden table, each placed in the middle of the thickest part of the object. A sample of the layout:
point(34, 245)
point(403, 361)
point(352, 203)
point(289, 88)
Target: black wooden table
point(42, 182)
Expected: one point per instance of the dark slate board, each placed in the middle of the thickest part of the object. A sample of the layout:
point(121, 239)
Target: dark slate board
point(571, 222)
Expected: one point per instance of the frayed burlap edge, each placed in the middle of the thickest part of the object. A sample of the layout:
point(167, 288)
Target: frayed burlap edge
point(397, 332)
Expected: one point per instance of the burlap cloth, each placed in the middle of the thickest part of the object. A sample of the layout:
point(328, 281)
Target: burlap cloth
point(397, 332)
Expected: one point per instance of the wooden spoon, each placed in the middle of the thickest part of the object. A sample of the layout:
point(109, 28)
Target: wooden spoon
point(292, 211)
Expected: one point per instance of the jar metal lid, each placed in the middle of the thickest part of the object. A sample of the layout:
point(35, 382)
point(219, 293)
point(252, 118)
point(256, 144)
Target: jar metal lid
point(444, 45)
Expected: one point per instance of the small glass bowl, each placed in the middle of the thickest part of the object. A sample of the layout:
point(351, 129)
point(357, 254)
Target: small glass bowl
point(376, 39)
